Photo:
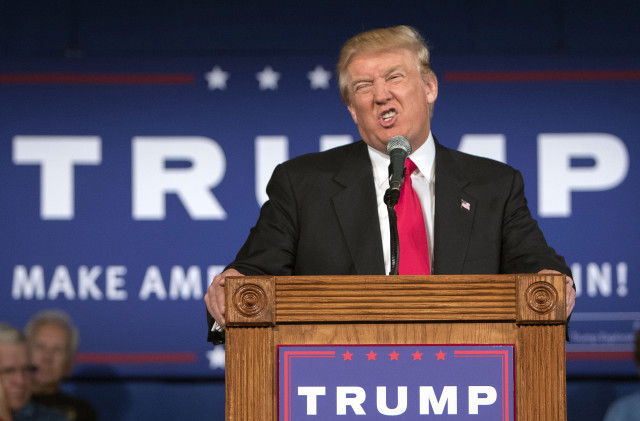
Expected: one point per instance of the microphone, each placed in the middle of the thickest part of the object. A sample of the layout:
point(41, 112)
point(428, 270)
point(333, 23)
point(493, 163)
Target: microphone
point(398, 149)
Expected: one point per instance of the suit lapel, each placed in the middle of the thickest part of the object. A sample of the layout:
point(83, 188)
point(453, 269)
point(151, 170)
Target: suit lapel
point(357, 212)
point(454, 214)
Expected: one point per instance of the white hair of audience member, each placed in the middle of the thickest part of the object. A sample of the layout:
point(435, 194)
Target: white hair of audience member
point(58, 318)
point(10, 335)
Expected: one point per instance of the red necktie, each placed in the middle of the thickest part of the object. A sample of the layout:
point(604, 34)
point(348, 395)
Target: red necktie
point(414, 248)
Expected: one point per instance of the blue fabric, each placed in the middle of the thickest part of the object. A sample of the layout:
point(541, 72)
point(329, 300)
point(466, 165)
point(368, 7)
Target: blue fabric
point(34, 412)
point(626, 408)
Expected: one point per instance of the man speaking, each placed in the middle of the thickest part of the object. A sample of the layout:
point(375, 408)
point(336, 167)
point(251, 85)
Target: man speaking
point(326, 213)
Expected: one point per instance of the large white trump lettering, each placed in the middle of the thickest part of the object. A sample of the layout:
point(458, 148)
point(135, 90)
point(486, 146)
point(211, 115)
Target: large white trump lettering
point(57, 156)
point(312, 394)
point(448, 399)
point(558, 178)
point(489, 396)
point(152, 180)
point(191, 167)
point(354, 397)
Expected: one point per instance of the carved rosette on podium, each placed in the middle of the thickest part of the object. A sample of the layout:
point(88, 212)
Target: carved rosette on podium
point(267, 315)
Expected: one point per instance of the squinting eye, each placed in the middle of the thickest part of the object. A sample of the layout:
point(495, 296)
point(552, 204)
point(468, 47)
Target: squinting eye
point(362, 87)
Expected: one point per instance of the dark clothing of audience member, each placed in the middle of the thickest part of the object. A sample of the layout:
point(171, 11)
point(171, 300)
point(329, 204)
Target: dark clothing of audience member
point(75, 409)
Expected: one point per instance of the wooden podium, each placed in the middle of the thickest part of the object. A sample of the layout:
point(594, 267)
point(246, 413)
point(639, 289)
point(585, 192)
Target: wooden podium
point(526, 310)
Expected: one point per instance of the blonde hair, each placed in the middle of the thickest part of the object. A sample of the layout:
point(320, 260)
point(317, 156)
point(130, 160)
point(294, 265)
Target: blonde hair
point(383, 39)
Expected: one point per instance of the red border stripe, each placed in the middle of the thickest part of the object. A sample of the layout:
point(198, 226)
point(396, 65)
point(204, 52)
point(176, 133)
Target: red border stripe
point(138, 358)
point(287, 374)
point(593, 355)
point(543, 76)
point(97, 78)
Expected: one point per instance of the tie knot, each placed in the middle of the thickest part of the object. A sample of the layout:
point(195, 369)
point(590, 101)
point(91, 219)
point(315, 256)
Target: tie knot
point(410, 166)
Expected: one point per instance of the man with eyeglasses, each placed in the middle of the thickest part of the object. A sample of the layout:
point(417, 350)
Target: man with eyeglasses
point(16, 373)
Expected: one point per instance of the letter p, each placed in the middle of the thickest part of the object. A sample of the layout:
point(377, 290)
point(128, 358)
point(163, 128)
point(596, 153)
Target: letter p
point(557, 178)
point(490, 396)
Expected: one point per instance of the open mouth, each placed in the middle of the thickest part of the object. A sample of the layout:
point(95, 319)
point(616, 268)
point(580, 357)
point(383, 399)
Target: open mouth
point(388, 117)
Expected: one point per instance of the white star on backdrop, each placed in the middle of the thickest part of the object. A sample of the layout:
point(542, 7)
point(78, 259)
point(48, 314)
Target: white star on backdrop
point(319, 78)
point(216, 357)
point(217, 78)
point(268, 79)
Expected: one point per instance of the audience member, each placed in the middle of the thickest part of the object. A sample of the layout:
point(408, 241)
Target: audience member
point(627, 408)
point(15, 381)
point(53, 342)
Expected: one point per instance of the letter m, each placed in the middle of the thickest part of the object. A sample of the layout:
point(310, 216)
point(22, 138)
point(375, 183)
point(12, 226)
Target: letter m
point(428, 399)
point(28, 284)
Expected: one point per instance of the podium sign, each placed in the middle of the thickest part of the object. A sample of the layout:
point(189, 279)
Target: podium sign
point(374, 382)
point(402, 347)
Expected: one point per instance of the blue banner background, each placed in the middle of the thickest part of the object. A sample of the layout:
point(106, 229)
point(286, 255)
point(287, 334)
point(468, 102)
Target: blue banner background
point(600, 230)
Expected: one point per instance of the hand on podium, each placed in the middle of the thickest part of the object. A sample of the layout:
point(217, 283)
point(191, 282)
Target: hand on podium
point(570, 290)
point(215, 296)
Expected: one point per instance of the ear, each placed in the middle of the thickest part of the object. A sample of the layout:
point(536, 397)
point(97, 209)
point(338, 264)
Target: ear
point(352, 111)
point(431, 86)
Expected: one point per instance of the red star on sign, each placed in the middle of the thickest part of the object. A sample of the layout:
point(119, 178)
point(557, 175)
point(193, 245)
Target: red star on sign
point(394, 355)
point(441, 355)
point(347, 356)
point(417, 355)
point(371, 355)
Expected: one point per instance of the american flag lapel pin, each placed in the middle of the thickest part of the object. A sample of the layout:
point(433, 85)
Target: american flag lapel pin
point(465, 205)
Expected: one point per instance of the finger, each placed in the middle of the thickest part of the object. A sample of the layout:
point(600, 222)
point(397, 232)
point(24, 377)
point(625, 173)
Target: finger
point(216, 295)
point(571, 296)
point(209, 299)
point(212, 303)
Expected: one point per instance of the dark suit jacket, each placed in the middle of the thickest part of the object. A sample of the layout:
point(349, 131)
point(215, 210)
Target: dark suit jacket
point(322, 219)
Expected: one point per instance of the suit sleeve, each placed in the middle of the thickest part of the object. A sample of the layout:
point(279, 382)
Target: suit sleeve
point(524, 248)
point(271, 246)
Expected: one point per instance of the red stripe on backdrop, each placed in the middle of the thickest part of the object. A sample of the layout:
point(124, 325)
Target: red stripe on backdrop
point(544, 76)
point(592, 355)
point(97, 78)
point(139, 358)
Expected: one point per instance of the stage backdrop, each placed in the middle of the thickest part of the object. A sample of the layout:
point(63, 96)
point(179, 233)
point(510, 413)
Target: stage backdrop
point(127, 184)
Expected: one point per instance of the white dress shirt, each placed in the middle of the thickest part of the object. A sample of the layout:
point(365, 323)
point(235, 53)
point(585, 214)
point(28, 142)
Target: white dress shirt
point(423, 182)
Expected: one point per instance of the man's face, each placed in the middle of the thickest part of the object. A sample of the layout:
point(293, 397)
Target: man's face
point(49, 347)
point(390, 97)
point(15, 374)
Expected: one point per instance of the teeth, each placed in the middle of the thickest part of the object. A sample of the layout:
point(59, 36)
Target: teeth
point(388, 115)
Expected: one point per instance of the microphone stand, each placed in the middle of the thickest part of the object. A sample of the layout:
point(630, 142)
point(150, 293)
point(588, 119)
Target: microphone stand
point(391, 197)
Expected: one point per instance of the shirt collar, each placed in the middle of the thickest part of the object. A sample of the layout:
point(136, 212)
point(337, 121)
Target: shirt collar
point(423, 157)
